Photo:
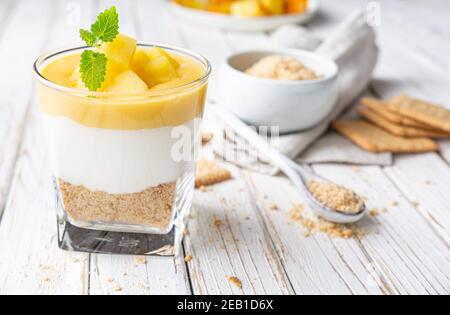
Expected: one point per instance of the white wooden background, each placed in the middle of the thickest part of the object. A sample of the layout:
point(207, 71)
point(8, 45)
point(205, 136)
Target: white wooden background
point(406, 252)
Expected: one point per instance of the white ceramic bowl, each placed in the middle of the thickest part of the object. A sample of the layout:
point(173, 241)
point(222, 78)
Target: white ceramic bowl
point(234, 23)
point(291, 105)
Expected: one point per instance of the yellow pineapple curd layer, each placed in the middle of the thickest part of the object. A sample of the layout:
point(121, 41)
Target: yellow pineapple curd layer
point(166, 104)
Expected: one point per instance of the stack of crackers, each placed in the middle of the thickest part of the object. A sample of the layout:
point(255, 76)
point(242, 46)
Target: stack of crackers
point(401, 125)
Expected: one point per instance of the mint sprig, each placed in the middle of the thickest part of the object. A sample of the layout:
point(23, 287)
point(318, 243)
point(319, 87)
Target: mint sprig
point(106, 27)
point(93, 64)
point(92, 69)
point(89, 38)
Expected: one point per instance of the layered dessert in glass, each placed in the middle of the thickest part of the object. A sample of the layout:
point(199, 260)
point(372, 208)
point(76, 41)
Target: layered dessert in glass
point(123, 156)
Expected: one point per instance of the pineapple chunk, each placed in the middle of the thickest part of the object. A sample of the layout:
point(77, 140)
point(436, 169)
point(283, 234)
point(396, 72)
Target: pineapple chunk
point(273, 6)
point(296, 6)
point(127, 82)
point(219, 6)
point(119, 53)
point(247, 8)
point(159, 52)
point(195, 4)
point(155, 66)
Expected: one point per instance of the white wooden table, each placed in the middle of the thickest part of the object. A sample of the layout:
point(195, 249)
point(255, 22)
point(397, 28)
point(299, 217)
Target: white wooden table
point(407, 250)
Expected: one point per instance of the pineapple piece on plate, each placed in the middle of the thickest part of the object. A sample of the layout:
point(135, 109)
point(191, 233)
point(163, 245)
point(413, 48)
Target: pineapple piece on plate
point(219, 6)
point(155, 66)
point(296, 6)
point(247, 8)
point(127, 82)
point(195, 4)
point(273, 7)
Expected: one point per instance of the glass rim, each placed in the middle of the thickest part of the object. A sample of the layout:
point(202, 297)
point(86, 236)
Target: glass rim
point(155, 93)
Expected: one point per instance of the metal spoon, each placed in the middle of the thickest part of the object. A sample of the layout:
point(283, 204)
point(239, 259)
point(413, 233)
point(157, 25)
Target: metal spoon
point(297, 174)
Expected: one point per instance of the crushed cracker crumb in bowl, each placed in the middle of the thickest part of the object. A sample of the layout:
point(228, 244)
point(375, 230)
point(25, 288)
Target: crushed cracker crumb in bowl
point(291, 89)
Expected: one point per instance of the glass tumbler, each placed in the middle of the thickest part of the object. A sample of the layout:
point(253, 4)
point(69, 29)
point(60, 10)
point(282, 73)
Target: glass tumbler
point(123, 164)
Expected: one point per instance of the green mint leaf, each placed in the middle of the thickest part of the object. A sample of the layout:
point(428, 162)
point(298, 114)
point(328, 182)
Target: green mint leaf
point(106, 27)
point(93, 64)
point(89, 38)
point(92, 69)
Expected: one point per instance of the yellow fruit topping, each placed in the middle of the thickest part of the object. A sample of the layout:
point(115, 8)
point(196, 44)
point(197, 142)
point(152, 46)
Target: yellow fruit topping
point(119, 112)
point(119, 54)
point(247, 8)
point(76, 81)
point(127, 82)
point(154, 66)
point(273, 6)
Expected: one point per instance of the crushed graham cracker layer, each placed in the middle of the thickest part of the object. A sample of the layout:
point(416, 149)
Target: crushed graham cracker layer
point(152, 207)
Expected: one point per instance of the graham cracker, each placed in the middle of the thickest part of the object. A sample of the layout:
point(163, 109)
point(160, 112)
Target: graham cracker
point(381, 107)
point(374, 139)
point(209, 173)
point(421, 111)
point(397, 129)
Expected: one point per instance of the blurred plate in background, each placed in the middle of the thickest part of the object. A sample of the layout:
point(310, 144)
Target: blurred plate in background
point(234, 23)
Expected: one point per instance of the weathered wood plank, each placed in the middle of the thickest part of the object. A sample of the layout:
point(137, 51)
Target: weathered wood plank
point(17, 92)
point(426, 187)
point(316, 264)
point(227, 238)
point(401, 244)
point(32, 262)
point(28, 231)
point(124, 275)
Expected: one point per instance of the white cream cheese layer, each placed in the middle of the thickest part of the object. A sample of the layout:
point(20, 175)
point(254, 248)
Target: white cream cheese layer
point(113, 161)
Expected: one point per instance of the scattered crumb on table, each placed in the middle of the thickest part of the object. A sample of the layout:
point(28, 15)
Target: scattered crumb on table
point(235, 281)
point(139, 260)
point(314, 224)
point(206, 137)
point(217, 222)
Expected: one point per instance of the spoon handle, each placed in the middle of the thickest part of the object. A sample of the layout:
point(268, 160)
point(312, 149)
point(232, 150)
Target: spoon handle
point(286, 165)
